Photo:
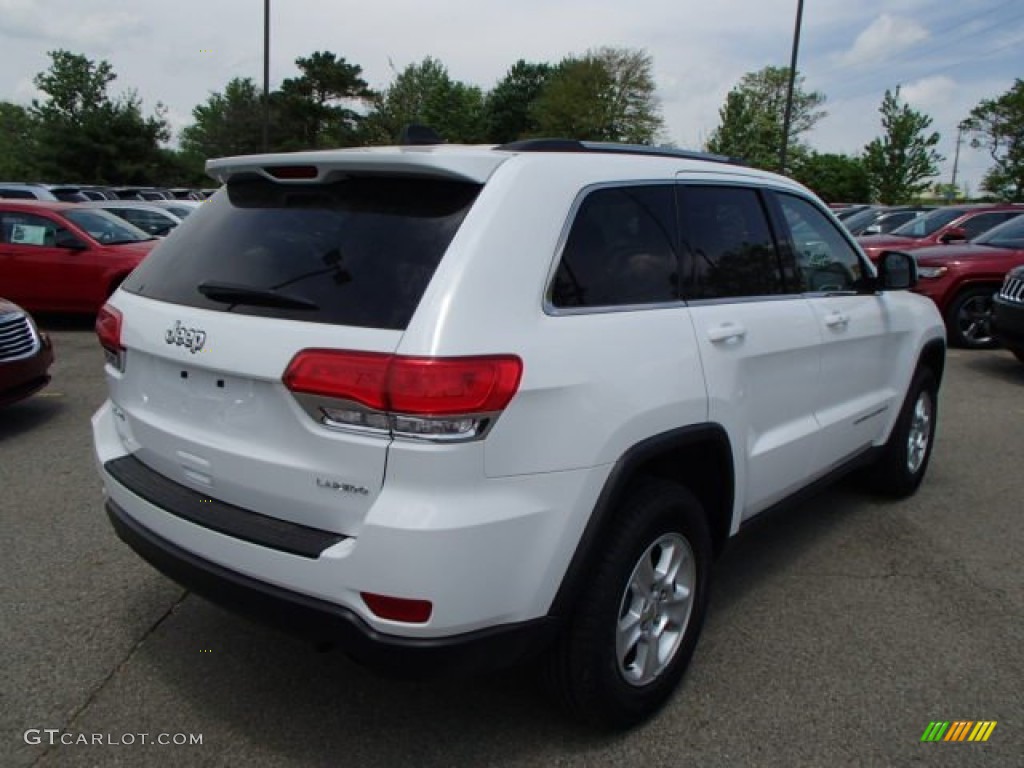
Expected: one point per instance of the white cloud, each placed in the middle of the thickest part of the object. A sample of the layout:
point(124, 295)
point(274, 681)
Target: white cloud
point(929, 92)
point(886, 36)
point(75, 26)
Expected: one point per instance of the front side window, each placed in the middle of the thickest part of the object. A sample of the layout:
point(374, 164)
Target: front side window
point(728, 248)
point(105, 227)
point(930, 223)
point(620, 250)
point(825, 261)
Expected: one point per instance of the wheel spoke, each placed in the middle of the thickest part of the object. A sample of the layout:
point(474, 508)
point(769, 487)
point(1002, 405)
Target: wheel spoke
point(651, 662)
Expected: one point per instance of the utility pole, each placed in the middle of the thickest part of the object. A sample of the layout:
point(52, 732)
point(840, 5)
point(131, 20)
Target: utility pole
point(956, 157)
point(266, 74)
point(792, 85)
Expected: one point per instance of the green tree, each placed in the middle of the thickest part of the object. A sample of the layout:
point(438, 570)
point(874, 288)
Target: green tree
point(510, 102)
point(998, 125)
point(17, 143)
point(834, 178)
point(317, 108)
point(228, 123)
point(900, 162)
point(605, 95)
point(753, 117)
point(83, 134)
point(424, 93)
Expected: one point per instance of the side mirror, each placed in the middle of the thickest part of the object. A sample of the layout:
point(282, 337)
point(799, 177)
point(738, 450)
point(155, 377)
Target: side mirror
point(69, 242)
point(897, 271)
point(874, 229)
point(954, 234)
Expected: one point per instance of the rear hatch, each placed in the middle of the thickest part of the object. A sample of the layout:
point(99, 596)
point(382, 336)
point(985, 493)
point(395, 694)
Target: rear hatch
point(213, 317)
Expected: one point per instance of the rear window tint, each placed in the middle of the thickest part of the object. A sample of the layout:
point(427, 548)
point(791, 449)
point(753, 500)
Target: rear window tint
point(361, 250)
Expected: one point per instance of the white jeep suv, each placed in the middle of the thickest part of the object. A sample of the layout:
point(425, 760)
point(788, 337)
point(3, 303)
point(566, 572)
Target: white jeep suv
point(454, 406)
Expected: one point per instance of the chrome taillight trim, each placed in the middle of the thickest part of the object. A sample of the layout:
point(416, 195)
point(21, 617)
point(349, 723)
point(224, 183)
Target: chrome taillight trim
point(318, 407)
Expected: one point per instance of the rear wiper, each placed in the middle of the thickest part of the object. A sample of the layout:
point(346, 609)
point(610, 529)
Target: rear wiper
point(241, 294)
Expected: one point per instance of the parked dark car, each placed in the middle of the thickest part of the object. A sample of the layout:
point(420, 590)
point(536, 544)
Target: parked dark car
point(954, 223)
point(962, 280)
point(1009, 312)
point(26, 354)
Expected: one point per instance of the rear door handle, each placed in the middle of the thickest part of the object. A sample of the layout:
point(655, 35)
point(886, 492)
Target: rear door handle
point(726, 332)
point(836, 320)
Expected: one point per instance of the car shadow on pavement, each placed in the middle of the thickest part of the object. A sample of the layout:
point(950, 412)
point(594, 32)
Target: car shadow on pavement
point(63, 321)
point(244, 681)
point(24, 416)
point(999, 362)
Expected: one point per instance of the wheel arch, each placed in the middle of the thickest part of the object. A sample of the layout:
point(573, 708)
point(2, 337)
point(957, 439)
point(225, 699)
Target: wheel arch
point(699, 457)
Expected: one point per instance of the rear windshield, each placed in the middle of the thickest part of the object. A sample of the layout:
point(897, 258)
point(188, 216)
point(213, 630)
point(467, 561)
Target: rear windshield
point(930, 223)
point(357, 252)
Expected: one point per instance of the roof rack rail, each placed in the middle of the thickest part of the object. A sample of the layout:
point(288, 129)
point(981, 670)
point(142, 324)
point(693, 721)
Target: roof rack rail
point(608, 147)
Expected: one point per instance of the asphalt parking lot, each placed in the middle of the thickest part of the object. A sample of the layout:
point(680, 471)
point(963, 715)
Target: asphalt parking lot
point(837, 631)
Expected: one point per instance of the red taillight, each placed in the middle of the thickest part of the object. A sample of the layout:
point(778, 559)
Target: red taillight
point(418, 386)
point(357, 376)
point(292, 171)
point(108, 330)
point(429, 386)
point(398, 608)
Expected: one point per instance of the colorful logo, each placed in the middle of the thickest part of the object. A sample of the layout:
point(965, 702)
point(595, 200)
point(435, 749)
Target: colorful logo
point(959, 730)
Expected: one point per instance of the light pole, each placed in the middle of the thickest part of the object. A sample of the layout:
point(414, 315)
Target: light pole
point(792, 85)
point(266, 74)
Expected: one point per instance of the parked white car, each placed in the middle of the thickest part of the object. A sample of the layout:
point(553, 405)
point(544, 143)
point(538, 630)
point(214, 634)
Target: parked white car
point(458, 406)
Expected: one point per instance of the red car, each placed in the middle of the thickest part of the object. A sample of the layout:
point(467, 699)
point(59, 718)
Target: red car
point(26, 355)
point(962, 280)
point(59, 257)
point(943, 225)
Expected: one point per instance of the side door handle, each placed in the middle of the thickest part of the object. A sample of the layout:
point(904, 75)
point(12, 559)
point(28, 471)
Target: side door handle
point(836, 320)
point(726, 332)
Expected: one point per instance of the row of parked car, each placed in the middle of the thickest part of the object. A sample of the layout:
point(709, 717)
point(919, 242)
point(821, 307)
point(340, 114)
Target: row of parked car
point(963, 254)
point(77, 193)
point(70, 256)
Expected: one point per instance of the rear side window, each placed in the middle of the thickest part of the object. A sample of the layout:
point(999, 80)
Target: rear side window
point(357, 252)
point(621, 250)
point(727, 244)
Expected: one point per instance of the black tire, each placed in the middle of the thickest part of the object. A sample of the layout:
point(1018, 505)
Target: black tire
point(1018, 352)
point(583, 669)
point(969, 319)
point(894, 474)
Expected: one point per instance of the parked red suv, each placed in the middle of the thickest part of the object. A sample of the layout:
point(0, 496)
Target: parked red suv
point(943, 225)
point(962, 280)
point(59, 257)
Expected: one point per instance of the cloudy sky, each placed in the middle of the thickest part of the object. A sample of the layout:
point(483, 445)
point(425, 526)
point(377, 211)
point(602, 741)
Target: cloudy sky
point(946, 56)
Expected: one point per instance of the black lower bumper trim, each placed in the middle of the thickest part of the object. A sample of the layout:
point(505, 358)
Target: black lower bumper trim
point(324, 622)
point(218, 516)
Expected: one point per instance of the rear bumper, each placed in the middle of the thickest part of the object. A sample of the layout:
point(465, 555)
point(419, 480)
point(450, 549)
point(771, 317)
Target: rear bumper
point(321, 621)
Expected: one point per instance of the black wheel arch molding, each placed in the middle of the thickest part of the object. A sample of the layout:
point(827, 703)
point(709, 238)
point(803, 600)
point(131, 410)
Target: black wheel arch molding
point(654, 454)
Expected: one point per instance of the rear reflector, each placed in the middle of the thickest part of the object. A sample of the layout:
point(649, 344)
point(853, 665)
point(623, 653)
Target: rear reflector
point(398, 608)
point(418, 386)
